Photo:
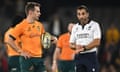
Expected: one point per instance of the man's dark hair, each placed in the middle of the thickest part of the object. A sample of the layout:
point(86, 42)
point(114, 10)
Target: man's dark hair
point(83, 7)
point(31, 6)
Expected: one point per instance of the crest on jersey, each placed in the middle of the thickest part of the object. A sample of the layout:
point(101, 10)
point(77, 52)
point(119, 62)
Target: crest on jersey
point(38, 28)
point(29, 29)
point(89, 27)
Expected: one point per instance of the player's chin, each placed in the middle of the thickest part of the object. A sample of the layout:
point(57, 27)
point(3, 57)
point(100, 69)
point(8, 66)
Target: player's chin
point(37, 18)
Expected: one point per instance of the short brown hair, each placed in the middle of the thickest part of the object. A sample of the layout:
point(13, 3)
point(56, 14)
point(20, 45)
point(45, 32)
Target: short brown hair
point(30, 6)
point(83, 7)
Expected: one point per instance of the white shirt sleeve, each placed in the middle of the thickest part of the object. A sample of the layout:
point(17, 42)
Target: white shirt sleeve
point(72, 36)
point(97, 31)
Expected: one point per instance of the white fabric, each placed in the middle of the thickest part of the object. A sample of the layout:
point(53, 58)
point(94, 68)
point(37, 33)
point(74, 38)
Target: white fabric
point(84, 36)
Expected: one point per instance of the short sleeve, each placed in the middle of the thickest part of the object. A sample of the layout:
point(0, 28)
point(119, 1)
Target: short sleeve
point(59, 42)
point(17, 31)
point(72, 36)
point(42, 29)
point(97, 31)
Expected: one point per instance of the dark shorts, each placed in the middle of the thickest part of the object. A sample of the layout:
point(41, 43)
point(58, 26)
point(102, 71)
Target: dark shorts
point(87, 62)
point(33, 64)
point(66, 66)
point(14, 64)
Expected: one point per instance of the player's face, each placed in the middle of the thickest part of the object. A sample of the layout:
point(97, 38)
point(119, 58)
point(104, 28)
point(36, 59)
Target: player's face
point(82, 15)
point(36, 13)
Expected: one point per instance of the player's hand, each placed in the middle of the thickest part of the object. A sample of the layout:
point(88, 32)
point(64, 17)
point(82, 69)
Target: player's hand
point(26, 55)
point(79, 48)
point(54, 39)
point(54, 67)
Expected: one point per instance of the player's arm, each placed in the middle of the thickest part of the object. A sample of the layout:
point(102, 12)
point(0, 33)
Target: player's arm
point(55, 58)
point(94, 43)
point(11, 42)
point(57, 50)
point(13, 35)
point(5, 40)
point(56, 55)
point(73, 42)
point(16, 33)
point(53, 39)
point(97, 38)
point(72, 39)
point(73, 46)
point(77, 48)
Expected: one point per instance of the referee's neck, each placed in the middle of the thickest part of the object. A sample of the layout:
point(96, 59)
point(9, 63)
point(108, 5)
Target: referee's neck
point(85, 22)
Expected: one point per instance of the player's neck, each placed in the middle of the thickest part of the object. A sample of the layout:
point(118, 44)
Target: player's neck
point(30, 19)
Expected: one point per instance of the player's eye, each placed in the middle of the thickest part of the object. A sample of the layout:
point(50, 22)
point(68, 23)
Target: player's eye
point(83, 13)
point(78, 14)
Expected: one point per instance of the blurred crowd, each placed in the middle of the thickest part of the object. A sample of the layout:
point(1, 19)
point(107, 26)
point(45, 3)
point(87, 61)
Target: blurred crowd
point(109, 52)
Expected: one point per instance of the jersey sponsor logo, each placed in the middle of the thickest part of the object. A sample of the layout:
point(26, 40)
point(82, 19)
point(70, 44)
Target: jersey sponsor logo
point(89, 27)
point(85, 35)
point(76, 28)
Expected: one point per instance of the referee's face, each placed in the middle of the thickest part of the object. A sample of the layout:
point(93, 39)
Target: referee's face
point(82, 15)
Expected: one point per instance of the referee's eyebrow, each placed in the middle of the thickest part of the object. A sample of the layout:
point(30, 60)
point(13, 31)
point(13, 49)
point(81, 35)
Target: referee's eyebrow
point(12, 37)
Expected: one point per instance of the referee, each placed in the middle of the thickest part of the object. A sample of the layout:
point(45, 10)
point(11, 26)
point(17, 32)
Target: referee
point(85, 38)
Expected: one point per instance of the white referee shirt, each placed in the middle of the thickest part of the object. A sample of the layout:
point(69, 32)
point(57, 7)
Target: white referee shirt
point(85, 35)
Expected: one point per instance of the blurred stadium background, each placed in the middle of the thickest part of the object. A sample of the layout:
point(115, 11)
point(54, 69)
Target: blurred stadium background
point(106, 12)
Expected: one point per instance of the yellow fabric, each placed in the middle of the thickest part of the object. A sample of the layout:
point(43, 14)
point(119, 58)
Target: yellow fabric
point(11, 51)
point(112, 35)
point(66, 52)
point(30, 35)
